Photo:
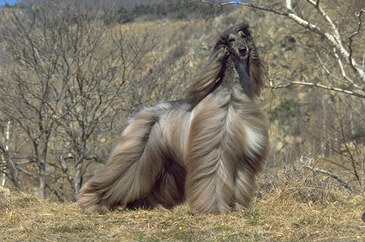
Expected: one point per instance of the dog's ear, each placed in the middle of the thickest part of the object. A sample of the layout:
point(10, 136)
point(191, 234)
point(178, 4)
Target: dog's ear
point(211, 77)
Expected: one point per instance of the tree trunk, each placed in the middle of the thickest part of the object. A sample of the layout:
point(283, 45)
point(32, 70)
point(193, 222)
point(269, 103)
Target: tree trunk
point(324, 128)
point(42, 158)
point(14, 176)
point(78, 173)
point(5, 149)
point(42, 177)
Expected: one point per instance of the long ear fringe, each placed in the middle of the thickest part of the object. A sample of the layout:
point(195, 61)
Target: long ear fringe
point(257, 68)
point(210, 78)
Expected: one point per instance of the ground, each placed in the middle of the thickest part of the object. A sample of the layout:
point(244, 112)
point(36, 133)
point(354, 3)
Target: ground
point(281, 213)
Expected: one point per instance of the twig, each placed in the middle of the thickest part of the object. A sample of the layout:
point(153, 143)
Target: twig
point(337, 89)
point(317, 4)
point(220, 5)
point(330, 174)
point(336, 34)
point(56, 193)
point(354, 34)
point(343, 72)
point(352, 159)
point(327, 173)
point(35, 177)
point(28, 173)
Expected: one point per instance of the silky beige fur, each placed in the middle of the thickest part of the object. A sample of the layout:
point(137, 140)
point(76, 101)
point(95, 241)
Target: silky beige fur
point(206, 150)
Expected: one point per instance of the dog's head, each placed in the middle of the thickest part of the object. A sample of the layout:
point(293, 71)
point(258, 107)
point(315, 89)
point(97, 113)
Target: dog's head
point(238, 42)
point(233, 44)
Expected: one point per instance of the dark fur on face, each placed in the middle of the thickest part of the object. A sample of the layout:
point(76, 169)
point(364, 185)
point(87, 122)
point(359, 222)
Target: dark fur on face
point(206, 150)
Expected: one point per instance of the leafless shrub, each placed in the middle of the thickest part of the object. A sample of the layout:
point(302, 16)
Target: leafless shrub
point(300, 183)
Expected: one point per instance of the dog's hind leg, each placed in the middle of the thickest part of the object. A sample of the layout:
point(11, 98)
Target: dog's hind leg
point(133, 167)
point(168, 190)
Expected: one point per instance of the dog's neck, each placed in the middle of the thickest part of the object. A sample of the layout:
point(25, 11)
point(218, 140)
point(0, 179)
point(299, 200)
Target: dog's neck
point(231, 77)
point(235, 80)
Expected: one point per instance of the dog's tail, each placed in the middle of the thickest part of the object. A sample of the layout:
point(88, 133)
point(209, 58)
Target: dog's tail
point(132, 168)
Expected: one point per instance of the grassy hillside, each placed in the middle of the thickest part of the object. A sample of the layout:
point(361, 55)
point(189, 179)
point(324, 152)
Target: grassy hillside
point(285, 209)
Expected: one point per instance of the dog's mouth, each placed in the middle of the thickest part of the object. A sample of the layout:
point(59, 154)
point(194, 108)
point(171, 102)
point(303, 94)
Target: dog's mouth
point(243, 51)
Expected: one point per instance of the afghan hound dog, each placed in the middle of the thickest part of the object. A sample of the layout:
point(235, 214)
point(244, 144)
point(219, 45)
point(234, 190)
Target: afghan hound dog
point(206, 150)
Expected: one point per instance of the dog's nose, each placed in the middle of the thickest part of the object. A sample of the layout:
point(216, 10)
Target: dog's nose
point(242, 50)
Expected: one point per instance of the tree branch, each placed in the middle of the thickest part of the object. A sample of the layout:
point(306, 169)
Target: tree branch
point(357, 31)
point(343, 71)
point(337, 89)
point(334, 176)
point(220, 5)
point(327, 173)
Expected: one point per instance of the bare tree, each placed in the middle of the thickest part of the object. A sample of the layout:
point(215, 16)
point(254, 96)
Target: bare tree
point(30, 92)
point(100, 74)
point(65, 86)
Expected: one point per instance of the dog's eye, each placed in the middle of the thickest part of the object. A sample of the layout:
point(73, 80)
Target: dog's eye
point(231, 38)
point(242, 34)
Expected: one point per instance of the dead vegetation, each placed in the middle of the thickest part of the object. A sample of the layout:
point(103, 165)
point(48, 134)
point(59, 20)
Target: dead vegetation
point(292, 205)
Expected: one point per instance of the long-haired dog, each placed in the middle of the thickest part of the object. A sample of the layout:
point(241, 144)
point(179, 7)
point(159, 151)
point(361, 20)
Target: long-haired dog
point(206, 149)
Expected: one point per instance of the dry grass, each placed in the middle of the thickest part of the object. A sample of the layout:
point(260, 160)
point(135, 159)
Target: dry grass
point(287, 208)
